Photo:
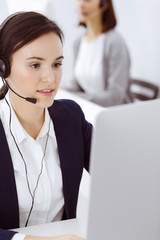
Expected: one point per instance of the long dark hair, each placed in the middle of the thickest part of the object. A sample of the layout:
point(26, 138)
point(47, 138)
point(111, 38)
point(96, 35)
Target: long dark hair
point(21, 29)
point(108, 17)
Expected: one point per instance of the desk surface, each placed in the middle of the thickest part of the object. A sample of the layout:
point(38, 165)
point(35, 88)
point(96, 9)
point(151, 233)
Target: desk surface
point(75, 226)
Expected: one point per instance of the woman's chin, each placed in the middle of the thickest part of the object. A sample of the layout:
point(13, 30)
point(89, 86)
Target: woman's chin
point(45, 104)
point(82, 19)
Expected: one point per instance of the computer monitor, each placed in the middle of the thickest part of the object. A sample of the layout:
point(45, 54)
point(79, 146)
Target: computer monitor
point(125, 174)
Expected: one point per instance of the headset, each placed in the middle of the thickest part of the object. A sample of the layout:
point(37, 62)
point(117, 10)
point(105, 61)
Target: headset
point(5, 64)
point(103, 3)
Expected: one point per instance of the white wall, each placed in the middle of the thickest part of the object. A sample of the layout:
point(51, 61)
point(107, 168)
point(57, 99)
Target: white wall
point(10, 6)
point(44, 6)
point(3, 10)
point(138, 21)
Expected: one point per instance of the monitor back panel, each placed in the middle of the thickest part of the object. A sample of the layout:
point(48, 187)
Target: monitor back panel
point(125, 174)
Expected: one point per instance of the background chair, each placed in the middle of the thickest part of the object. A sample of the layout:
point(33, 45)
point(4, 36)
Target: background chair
point(140, 90)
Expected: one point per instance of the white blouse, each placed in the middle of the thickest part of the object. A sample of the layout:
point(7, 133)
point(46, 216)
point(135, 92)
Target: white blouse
point(49, 199)
point(89, 65)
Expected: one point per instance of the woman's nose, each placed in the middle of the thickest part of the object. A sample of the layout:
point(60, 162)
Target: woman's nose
point(48, 75)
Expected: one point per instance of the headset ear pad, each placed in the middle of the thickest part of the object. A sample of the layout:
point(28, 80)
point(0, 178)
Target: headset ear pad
point(4, 68)
point(103, 3)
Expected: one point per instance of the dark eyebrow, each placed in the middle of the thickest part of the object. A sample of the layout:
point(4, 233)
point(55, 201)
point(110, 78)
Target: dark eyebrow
point(42, 59)
point(38, 58)
point(59, 57)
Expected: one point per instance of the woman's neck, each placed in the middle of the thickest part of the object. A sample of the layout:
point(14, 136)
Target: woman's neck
point(30, 116)
point(95, 28)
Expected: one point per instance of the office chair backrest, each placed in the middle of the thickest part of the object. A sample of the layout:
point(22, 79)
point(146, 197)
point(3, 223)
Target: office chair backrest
point(142, 90)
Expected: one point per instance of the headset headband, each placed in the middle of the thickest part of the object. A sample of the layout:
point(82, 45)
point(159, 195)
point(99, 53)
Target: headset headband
point(4, 63)
point(103, 3)
point(8, 19)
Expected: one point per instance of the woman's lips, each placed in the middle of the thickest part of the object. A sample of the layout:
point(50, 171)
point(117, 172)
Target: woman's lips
point(46, 92)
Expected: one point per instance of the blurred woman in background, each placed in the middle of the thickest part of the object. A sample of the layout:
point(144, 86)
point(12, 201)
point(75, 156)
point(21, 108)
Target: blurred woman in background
point(101, 58)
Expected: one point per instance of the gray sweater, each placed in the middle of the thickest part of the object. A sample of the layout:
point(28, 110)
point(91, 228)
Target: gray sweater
point(116, 71)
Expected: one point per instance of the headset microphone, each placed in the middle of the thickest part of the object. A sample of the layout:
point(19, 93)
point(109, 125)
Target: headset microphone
point(31, 100)
point(28, 99)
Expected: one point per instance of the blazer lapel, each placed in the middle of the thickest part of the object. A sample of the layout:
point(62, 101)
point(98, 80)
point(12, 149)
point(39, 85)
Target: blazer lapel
point(68, 147)
point(9, 211)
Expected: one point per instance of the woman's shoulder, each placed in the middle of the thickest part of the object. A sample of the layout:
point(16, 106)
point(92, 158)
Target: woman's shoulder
point(114, 37)
point(65, 107)
point(66, 103)
point(115, 43)
point(77, 41)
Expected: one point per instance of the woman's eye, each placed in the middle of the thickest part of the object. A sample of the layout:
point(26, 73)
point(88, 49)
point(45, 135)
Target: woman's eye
point(35, 65)
point(57, 65)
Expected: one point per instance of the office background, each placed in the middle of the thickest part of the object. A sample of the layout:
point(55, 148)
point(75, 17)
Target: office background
point(138, 22)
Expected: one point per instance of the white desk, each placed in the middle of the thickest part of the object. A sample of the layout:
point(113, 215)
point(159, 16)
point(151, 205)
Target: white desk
point(91, 110)
point(76, 226)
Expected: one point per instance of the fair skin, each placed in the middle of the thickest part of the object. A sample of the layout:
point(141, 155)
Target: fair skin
point(36, 72)
point(90, 13)
point(63, 237)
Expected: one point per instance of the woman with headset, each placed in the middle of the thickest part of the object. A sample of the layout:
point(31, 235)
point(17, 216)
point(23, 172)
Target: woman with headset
point(101, 58)
point(45, 143)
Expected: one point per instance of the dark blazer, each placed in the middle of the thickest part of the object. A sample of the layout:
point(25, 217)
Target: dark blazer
point(73, 134)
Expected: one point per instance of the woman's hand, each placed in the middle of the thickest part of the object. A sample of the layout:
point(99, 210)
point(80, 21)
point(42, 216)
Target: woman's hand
point(67, 237)
point(63, 237)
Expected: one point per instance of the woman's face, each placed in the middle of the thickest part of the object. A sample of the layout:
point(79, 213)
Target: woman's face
point(88, 9)
point(36, 69)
